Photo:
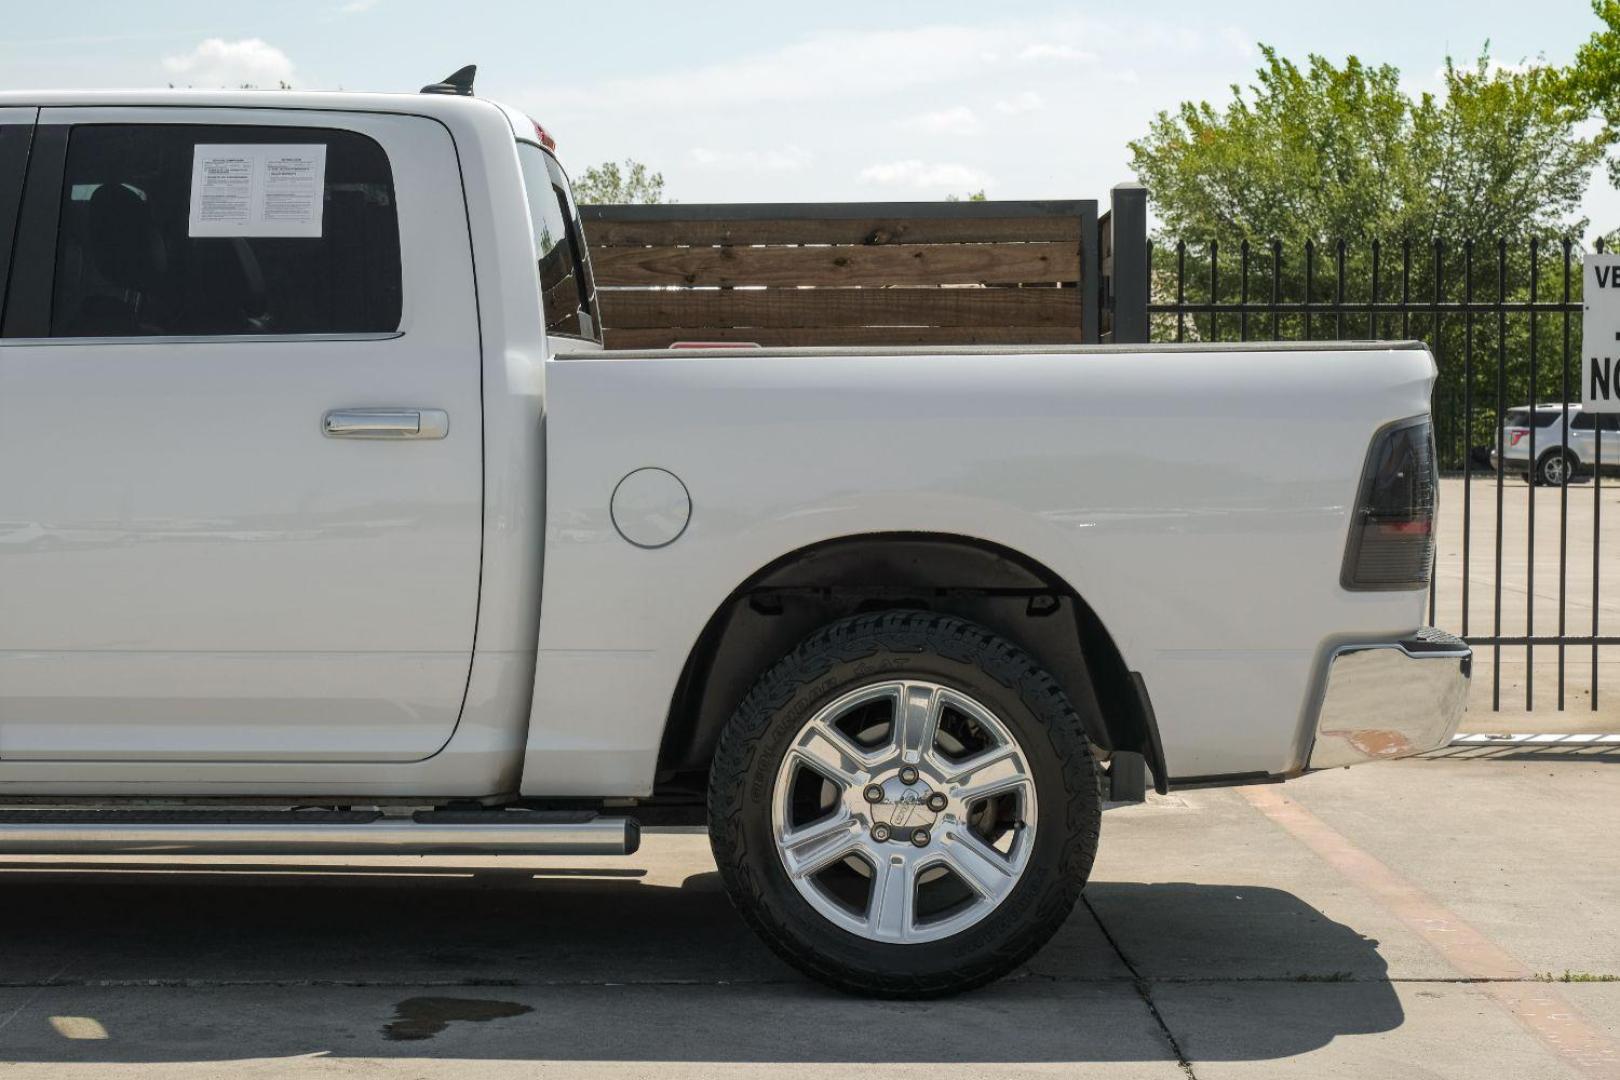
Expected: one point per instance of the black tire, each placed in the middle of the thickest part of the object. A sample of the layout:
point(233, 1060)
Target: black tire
point(1554, 469)
point(862, 650)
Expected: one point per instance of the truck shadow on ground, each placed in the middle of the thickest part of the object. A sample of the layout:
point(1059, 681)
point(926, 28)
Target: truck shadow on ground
point(176, 962)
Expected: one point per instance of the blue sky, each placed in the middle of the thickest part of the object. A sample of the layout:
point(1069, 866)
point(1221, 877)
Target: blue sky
point(765, 102)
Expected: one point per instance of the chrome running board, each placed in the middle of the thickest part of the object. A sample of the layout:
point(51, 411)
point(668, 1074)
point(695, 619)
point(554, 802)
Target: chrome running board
point(313, 832)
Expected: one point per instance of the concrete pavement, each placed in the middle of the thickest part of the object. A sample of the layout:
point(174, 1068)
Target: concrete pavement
point(1212, 942)
point(1558, 569)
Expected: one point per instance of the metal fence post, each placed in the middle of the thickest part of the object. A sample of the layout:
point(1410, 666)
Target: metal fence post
point(1129, 281)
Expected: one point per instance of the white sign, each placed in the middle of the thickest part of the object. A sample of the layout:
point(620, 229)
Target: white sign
point(1600, 334)
point(257, 189)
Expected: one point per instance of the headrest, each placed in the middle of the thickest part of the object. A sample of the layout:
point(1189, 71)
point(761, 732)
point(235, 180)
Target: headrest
point(124, 242)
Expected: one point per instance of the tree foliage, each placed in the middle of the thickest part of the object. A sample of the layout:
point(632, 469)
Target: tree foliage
point(1343, 151)
point(1590, 86)
point(1452, 187)
point(609, 183)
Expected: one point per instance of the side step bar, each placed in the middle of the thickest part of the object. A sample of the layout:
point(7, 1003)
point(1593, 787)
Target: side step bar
point(314, 832)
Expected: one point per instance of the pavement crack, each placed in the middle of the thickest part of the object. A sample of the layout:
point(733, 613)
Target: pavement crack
point(1144, 990)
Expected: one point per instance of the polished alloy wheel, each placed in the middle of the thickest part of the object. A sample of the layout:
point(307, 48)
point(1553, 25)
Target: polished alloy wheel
point(904, 811)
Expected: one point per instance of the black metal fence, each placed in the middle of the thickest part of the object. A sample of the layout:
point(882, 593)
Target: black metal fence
point(1502, 320)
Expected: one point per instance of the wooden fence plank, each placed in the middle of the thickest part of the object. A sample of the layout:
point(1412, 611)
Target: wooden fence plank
point(910, 264)
point(848, 335)
point(654, 308)
point(864, 230)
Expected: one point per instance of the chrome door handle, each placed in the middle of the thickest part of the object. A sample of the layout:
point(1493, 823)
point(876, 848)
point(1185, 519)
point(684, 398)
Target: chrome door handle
point(386, 424)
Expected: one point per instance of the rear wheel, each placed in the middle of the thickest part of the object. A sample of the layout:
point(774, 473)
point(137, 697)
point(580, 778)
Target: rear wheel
point(1554, 469)
point(906, 805)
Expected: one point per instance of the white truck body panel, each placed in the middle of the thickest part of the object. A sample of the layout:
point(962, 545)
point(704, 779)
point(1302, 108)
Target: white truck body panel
point(1197, 498)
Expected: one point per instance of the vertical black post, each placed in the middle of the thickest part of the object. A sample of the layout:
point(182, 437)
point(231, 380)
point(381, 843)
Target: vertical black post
point(1091, 278)
point(1310, 285)
point(1530, 493)
point(1501, 458)
point(1338, 293)
point(1181, 290)
point(1439, 384)
point(1372, 292)
point(1243, 293)
point(1127, 217)
point(1597, 512)
point(1563, 491)
point(1276, 288)
point(1468, 419)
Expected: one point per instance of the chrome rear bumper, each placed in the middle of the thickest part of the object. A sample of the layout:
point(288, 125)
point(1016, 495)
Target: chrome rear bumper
point(1390, 699)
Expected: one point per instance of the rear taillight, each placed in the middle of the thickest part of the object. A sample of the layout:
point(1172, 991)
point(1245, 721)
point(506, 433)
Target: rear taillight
point(1392, 532)
point(1515, 434)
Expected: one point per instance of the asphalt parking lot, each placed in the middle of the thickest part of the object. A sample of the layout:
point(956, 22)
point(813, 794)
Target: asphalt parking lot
point(1397, 919)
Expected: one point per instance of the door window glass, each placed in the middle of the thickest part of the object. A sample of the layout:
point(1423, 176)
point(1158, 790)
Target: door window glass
point(128, 264)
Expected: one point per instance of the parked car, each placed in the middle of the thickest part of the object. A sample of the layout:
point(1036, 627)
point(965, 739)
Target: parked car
point(1537, 435)
point(379, 551)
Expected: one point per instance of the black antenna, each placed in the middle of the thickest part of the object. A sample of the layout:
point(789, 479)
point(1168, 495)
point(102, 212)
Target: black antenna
point(459, 83)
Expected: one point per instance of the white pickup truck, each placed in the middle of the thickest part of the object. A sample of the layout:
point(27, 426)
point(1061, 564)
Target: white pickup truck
point(327, 525)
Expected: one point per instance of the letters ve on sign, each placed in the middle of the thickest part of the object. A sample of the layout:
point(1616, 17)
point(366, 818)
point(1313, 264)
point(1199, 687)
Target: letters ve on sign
point(1600, 334)
point(257, 190)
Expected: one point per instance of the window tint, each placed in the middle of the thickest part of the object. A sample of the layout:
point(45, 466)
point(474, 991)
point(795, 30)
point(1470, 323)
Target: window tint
point(1611, 422)
point(567, 293)
point(1583, 421)
point(14, 143)
point(1544, 417)
point(126, 263)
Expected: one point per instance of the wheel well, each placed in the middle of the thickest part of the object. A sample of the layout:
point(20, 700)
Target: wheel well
point(781, 605)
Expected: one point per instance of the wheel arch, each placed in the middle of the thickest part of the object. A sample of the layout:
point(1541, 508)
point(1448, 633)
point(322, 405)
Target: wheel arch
point(1570, 451)
point(1016, 596)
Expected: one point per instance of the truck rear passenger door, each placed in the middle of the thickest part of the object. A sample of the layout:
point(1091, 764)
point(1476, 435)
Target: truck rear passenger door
point(240, 439)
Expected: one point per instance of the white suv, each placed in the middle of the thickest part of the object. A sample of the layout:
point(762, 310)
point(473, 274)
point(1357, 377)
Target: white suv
point(1553, 463)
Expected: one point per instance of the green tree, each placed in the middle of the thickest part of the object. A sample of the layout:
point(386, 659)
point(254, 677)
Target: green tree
point(1591, 85)
point(972, 196)
point(608, 183)
point(1330, 151)
point(1338, 165)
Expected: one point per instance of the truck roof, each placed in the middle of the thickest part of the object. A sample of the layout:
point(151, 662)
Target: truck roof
point(319, 100)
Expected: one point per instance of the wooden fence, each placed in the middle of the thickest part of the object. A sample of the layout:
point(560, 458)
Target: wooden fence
point(847, 273)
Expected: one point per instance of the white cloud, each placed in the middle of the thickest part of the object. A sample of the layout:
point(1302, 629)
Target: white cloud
point(786, 159)
point(959, 120)
point(1237, 41)
point(924, 174)
point(885, 111)
point(356, 7)
point(1026, 102)
point(828, 68)
point(216, 62)
point(1056, 52)
point(820, 68)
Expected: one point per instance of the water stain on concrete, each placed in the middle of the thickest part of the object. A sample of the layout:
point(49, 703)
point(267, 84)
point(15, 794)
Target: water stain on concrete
point(425, 1017)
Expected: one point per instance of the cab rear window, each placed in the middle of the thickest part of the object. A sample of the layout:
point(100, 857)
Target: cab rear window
point(567, 294)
